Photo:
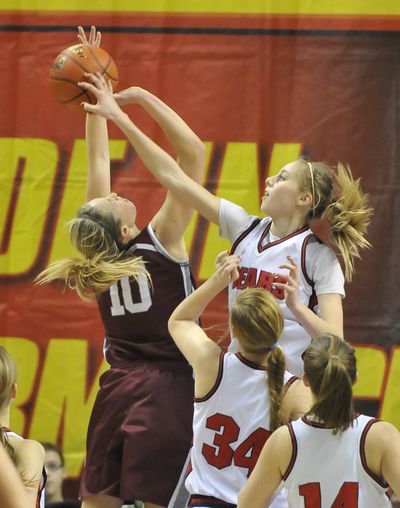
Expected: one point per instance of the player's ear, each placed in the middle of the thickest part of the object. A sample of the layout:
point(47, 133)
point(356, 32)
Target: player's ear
point(305, 199)
point(125, 231)
point(13, 391)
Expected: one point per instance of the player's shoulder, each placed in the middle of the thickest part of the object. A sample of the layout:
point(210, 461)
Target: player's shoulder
point(381, 432)
point(27, 446)
point(317, 248)
point(281, 437)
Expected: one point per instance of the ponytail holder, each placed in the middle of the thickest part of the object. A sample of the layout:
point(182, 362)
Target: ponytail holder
point(271, 348)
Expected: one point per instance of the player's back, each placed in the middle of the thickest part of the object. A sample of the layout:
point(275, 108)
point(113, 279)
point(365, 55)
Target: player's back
point(330, 471)
point(231, 426)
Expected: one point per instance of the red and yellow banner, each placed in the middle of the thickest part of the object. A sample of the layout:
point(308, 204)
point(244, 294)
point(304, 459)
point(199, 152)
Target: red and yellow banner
point(260, 85)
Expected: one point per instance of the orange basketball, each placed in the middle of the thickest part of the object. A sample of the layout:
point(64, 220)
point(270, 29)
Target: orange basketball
point(69, 67)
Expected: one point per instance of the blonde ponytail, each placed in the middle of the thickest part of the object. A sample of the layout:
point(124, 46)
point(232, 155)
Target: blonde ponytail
point(91, 277)
point(348, 217)
point(104, 259)
point(339, 201)
point(275, 374)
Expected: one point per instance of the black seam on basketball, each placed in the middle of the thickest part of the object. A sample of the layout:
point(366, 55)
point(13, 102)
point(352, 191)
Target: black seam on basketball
point(103, 68)
point(106, 71)
point(76, 97)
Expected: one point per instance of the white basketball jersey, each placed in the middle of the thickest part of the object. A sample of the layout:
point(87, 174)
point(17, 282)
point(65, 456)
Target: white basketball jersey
point(257, 252)
point(230, 427)
point(330, 471)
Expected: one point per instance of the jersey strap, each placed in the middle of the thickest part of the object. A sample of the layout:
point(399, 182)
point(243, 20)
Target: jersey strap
point(244, 234)
point(294, 452)
point(217, 381)
point(379, 480)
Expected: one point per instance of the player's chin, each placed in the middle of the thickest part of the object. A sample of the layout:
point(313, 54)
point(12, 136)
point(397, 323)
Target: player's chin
point(264, 205)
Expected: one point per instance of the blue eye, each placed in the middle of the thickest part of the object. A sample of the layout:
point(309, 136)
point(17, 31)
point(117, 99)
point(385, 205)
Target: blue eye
point(280, 177)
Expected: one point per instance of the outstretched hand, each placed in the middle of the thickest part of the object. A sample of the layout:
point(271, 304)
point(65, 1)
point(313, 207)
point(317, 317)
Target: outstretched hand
point(292, 285)
point(106, 105)
point(227, 268)
point(94, 36)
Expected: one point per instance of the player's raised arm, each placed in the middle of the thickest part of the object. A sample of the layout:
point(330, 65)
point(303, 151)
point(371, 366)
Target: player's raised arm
point(98, 182)
point(171, 221)
point(195, 345)
point(161, 164)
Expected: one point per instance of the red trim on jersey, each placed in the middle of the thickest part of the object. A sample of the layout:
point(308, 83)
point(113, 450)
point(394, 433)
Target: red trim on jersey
point(313, 300)
point(290, 381)
point(322, 425)
point(244, 234)
point(303, 258)
point(294, 452)
point(217, 381)
point(262, 248)
point(208, 501)
point(249, 363)
point(379, 480)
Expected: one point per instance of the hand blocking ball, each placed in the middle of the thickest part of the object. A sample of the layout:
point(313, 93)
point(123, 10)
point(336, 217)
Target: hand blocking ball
point(69, 67)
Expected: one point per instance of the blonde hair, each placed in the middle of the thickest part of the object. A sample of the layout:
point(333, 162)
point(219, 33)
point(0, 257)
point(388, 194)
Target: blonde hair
point(331, 369)
point(338, 199)
point(104, 259)
point(257, 321)
point(8, 376)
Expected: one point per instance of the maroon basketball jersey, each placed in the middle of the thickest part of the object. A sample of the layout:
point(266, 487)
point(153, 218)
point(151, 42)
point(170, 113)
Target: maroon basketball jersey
point(135, 313)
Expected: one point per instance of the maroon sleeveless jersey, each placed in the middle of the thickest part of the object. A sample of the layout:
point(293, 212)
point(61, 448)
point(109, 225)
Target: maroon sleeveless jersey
point(135, 313)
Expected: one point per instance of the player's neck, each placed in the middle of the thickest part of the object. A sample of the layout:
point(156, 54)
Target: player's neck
point(285, 226)
point(257, 358)
point(5, 417)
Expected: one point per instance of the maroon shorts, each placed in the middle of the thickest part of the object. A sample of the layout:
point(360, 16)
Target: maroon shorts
point(139, 433)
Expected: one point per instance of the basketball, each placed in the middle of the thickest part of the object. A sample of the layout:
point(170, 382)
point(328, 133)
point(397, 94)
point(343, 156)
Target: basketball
point(69, 67)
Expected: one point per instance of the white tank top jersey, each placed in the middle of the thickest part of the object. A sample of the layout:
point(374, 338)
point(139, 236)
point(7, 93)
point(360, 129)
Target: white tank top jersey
point(40, 500)
point(330, 471)
point(261, 255)
point(230, 427)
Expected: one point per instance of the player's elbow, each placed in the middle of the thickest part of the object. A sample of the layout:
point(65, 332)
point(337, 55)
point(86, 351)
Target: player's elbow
point(194, 156)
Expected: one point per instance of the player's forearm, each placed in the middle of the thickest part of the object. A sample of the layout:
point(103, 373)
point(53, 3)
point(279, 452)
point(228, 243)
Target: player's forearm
point(166, 170)
point(313, 324)
point(157, 160)
point(98, 156)
point(188, 146)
